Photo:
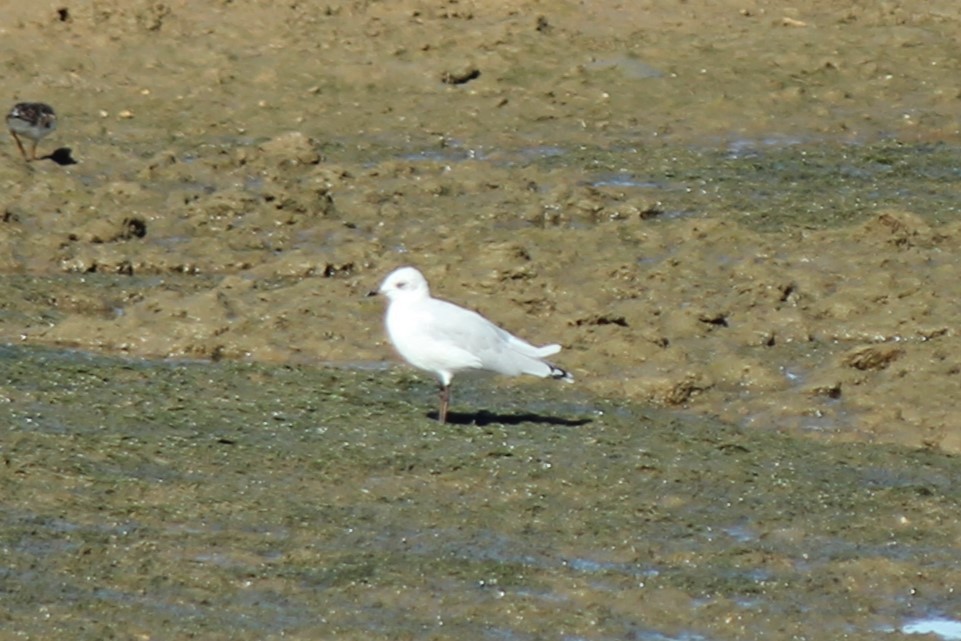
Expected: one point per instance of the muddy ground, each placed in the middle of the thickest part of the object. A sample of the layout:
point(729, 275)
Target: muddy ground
point(745, 211)
point(161, 500)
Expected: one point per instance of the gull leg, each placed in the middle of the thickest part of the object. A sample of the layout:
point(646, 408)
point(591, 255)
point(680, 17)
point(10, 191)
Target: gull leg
point(444, 403)
point(23, 151)
point(33, 151)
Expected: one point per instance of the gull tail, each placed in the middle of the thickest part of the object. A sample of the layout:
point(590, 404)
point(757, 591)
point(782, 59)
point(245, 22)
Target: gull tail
point(554, 370)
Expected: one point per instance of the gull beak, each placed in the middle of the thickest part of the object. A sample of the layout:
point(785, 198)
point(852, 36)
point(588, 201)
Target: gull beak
point(373, 292)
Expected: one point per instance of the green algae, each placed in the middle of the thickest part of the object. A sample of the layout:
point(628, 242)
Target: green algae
point(781, 184)
point(245, 501)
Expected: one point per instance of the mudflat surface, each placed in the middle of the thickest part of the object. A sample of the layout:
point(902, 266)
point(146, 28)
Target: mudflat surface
point(164, 500)
point(746, 210)
point(743, 211)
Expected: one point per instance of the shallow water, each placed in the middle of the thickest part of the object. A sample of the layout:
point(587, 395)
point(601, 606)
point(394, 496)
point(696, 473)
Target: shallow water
point(243, 501)
point(942, 628)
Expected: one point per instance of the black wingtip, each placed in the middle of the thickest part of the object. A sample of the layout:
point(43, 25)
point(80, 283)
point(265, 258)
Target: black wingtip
point(560, 374)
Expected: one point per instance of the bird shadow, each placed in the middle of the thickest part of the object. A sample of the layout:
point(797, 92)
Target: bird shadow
point(62, 156)
point(483, 417)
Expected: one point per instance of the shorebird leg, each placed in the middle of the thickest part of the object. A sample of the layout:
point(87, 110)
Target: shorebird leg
point(23, 151)
point(444, 402)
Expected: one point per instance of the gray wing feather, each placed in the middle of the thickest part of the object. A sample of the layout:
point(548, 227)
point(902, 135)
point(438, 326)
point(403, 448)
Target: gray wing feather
point(495, 348)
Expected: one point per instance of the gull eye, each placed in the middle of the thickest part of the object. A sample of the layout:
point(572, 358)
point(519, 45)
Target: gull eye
point(402, 285)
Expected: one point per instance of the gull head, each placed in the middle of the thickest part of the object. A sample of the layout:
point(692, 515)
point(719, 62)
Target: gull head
point(405, 283)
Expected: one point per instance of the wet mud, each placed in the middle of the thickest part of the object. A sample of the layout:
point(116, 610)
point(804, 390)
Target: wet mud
point(170, 500)
point(245, 171)
point(733, 212)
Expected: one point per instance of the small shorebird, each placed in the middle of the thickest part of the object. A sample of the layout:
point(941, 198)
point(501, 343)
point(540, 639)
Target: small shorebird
point(32, 120)
point(444, 339)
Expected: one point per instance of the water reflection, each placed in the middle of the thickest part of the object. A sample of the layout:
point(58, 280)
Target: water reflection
point(941, 627)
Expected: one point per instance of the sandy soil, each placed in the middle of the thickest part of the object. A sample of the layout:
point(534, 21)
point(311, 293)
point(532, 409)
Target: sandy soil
point(228, 179)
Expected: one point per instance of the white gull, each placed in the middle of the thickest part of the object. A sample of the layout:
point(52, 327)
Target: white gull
point(444, 339)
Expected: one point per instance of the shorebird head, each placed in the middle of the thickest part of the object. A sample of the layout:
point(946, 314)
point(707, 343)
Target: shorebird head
point(404, 283)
